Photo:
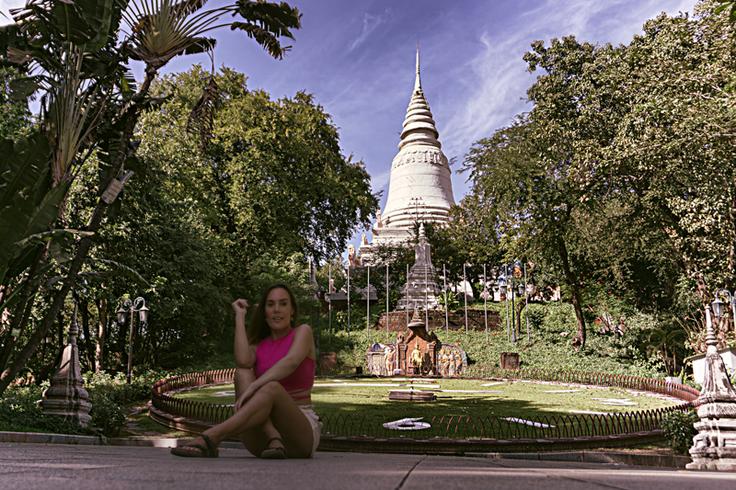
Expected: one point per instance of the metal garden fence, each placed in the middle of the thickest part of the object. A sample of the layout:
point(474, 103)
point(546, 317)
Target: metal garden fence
point(551, 427)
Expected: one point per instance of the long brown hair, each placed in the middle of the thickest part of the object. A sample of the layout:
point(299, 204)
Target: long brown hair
point(258, 328)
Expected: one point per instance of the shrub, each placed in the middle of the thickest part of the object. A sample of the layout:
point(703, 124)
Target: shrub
point(679, 430)
point(20, 412)
point(107, 416)
point(111, 396)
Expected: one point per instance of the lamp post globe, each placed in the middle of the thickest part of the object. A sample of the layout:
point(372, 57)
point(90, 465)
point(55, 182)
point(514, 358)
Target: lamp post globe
point(717, 307)
point(143, 314)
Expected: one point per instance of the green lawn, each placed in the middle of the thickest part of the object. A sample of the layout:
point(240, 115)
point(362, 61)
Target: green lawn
point(343, 401)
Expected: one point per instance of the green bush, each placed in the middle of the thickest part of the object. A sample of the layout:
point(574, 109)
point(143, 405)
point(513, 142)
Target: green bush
point(679, 430)
point(485, 350)
point(107, 416)
point(111, 398)
point(20, 412)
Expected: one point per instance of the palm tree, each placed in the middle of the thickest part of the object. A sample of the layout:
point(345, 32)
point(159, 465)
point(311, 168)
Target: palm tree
point(75, 52)
point(158, 30)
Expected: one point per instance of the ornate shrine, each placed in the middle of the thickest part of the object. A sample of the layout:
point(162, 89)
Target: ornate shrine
point(416, 352)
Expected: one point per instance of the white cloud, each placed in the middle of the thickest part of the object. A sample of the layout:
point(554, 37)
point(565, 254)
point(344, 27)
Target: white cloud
point(370, 23)
point(496, 80)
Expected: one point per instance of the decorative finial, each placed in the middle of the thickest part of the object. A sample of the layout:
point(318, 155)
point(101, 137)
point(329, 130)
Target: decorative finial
point(417, 81)
point(416, 319)
point(74, 327)
point(711, 341)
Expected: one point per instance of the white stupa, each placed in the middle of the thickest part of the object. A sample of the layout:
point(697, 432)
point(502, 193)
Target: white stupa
point(420, 188)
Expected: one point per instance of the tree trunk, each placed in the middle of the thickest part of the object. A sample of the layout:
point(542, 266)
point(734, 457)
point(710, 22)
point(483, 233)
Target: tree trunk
point(101, 334)
point(27, 297)
point(732, 248)
point(129, 115)
point(521, 303)
point(88, 350)
point(572, 281)
point(84, 245)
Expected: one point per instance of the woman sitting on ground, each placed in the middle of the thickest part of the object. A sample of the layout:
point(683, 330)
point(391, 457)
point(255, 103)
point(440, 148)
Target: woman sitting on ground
point(273, 383)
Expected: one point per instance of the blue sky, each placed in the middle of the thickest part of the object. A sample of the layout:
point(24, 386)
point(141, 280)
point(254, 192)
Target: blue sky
point(357, 58)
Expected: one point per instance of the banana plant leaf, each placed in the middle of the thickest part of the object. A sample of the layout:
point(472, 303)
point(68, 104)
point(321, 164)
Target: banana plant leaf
point(28, 203)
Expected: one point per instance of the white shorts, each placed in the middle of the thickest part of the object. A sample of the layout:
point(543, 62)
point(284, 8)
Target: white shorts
point(313, 418)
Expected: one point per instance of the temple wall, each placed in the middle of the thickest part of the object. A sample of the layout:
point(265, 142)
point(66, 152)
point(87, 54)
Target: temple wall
point(397, 320)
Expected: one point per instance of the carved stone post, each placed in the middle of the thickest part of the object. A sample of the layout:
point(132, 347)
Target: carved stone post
point(714, 447)
point(402, 358)
point(432, 350)
point(66, 396)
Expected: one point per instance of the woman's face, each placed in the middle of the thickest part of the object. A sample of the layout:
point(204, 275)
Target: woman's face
point(279, 311)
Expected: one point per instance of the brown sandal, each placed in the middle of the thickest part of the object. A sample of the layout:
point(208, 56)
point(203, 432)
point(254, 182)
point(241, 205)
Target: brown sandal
point(274, 452)
point(208, 450)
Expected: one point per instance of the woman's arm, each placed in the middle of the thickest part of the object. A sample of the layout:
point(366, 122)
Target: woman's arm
point(244, 354)
point(302, 347)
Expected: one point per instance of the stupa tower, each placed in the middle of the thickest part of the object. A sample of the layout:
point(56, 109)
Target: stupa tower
point(420, 188)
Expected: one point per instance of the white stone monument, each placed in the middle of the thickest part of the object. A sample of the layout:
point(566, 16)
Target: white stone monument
point(714, 446)
point(420, 188)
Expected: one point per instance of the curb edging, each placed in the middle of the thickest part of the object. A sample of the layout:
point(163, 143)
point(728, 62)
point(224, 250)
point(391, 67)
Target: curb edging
point(585, 456)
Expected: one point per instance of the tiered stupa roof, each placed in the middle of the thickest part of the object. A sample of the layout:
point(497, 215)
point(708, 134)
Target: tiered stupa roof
point(420, 188)
point(419, 126)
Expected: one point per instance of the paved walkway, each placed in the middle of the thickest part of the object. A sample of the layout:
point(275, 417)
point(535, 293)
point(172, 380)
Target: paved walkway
point(59, 466)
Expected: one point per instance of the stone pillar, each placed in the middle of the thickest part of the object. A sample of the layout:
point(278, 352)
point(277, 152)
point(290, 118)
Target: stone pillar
point(66, 396)
point(402, 358)
point(432, 349)
point(714, 446)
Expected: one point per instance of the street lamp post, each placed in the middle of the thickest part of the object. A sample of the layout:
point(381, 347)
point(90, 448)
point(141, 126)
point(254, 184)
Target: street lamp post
point(485, 301)
point(526, 304)
point(387, 315)
point(502, 291)
point(348, 297)
point(719, 306)
point(407, 291)
point(127, 311)
point(447, 308)
point(368, 299)
point(465, 297)
point(329, 298)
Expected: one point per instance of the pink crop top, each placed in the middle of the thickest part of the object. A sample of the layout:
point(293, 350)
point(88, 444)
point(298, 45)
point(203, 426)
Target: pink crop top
point(270, 351)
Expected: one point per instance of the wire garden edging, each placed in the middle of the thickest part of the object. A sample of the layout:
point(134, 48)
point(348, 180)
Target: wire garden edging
point(451, 434)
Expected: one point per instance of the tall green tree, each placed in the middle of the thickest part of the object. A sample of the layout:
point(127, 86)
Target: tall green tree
point(14, 113)
point(90, 103)
point(185, 228)
point(621, 177)
point(271, 175)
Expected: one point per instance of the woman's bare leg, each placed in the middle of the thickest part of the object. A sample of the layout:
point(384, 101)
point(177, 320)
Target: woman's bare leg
point(270, 401)
point(255, 439)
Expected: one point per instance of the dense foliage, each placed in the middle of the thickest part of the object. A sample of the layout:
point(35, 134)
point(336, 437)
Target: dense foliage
point(111, 399)
point(187, 238)
point(230, 189)
point(679, 430)
point(620, 181)
point(547, 348)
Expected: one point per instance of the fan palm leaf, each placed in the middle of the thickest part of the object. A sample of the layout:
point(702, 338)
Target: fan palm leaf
point(73, 111)
point(162, 29)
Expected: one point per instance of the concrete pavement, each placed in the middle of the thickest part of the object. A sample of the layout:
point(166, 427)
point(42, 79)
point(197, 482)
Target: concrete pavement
point(60, 466)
